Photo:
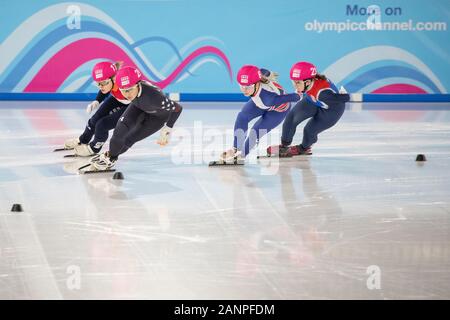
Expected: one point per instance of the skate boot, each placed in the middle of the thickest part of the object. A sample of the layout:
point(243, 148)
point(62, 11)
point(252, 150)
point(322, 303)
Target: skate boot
point(229, 157)
point(299, 150)
point(69, 144)
point(95, 158)
point(279, 150)
point(103, 162)
point(83, 150)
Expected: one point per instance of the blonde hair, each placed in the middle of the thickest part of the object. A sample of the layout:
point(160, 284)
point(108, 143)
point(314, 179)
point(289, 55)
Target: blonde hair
point(272, 77)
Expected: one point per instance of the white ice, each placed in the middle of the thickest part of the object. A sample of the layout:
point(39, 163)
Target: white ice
point(359, 219)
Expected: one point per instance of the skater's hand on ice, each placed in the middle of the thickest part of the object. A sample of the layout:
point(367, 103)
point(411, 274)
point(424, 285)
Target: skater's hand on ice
point(92, 106)
point(164, 136)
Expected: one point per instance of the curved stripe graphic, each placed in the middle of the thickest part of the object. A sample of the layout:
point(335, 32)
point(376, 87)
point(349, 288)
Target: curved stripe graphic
point(51, 72)
point(206, 50)
point(188, 47)
point(26, 62)
point(67, 60)
point(386, 72)
point(77, 84)
point(394, 80)
point(351, 62)
point(30, 28)
point(63, 63)
point(194, 67)
point(160, 39)
point(399, 88)
point(86, 85)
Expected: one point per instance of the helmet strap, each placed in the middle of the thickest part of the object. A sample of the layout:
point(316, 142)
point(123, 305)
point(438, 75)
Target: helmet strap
point(309, 85)
point(254, 91)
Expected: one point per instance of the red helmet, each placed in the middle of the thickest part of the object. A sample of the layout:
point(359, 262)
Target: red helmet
point(248, 75)
point(103, 71)
point(303, 70)
point(127, 77)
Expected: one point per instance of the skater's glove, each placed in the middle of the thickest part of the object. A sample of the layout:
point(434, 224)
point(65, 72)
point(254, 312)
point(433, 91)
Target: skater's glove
point(164, 136)
point(92, 106)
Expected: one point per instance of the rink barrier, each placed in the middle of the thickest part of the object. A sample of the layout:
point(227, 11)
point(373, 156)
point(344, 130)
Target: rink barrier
point(222, 97)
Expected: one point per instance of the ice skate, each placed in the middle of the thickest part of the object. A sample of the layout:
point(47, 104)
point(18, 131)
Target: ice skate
point(84, 150)
point(70, 144)
point(279, 150)
point(287, 151)
point(99, 163)
point(299, 151)
point(229, 157)
point(104, 162)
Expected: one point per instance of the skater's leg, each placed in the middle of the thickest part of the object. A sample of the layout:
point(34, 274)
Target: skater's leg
point(126, 123)
point(269, 121)
point(249, 112)
point(133, 126)
point(323, 120)
point(142, 130)
point(106, 107)
point(105, 124)
point(300, 112)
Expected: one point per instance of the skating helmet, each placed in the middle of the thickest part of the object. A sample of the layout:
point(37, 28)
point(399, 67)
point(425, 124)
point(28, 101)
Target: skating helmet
point(103, 71)
point(127, 77)
point(248, 75)
point(303, 70)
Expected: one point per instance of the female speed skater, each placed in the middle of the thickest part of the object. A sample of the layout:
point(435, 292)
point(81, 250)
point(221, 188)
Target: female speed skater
point(320, 100)
point(97, 129)
point(149, 111)
point(268, 103)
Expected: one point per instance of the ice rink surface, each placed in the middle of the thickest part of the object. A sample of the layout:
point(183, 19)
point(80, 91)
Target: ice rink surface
point(359, 219)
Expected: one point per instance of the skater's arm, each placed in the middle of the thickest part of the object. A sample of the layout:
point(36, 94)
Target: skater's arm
point(328, 96)
point(174, 115)
point(273, 99)
point(101, 96)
